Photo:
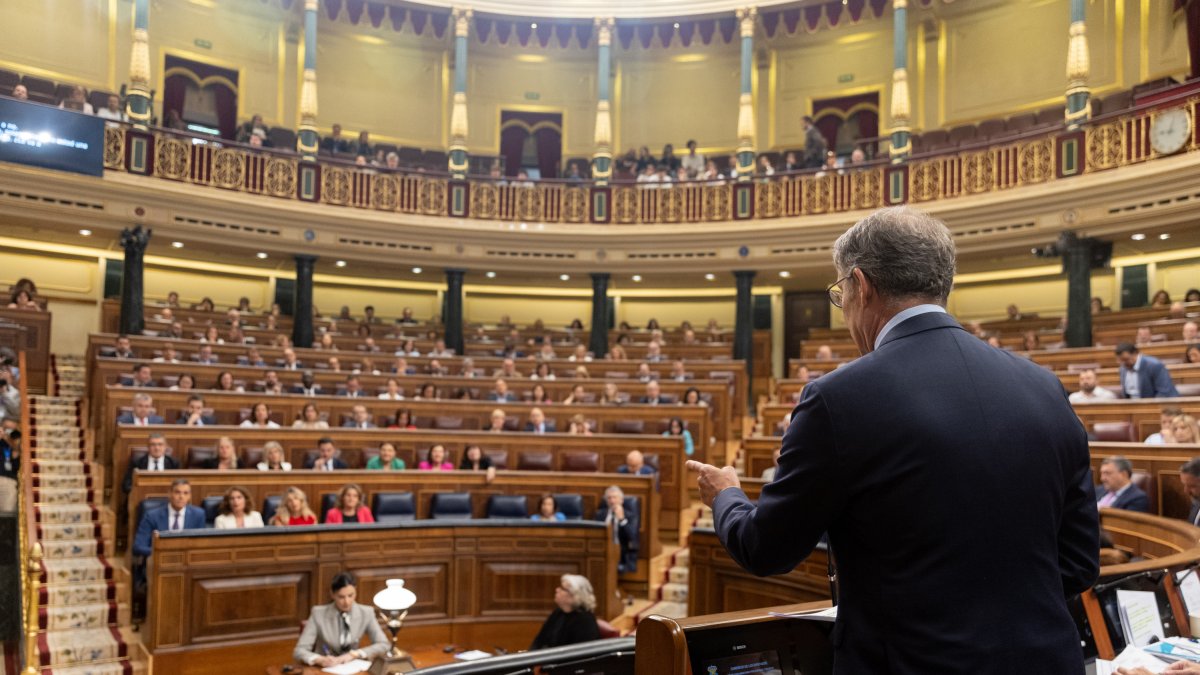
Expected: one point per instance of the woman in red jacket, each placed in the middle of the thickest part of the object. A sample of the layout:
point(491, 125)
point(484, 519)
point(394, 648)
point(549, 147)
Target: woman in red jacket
point(349, 507)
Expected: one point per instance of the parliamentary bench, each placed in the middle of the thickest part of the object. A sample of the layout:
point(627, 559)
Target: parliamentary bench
point(1130, 419)
point(145, 348)
point(409, 495)
point(233, 601)
point(29, 332)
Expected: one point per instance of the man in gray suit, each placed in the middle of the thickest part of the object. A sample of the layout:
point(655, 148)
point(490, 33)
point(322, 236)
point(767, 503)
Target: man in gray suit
point(333, 632)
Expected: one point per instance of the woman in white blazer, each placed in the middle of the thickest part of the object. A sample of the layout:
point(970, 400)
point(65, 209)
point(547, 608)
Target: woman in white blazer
point(235, 513)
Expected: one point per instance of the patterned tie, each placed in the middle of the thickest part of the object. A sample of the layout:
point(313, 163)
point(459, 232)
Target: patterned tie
point(175, 525)
point(345, 636)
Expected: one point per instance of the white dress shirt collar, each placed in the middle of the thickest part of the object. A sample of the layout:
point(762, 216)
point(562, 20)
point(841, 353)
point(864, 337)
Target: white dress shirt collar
point(904, 315)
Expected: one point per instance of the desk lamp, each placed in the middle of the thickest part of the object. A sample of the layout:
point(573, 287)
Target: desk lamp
point(393, 603)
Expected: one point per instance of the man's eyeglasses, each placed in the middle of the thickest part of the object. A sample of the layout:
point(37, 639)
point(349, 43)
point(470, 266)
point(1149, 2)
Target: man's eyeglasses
point(835, 292)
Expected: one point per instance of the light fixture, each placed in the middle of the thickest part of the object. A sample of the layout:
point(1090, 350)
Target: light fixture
point(85, 232)
point(490, 275)
point(710, 276)
point(177, 244)
point(393, 603)
point(637, 277)
point(785, 274)
point(1164, 236)
point(1138, 237)
point(676, 25)
point(417, 270)
point(565, 277)
point(340, 263)
point(261, 255)
point(533, 25)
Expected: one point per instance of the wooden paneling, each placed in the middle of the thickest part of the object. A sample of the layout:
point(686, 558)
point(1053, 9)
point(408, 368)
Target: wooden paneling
point(28, 331)
point(718, 584)
point(258, 589)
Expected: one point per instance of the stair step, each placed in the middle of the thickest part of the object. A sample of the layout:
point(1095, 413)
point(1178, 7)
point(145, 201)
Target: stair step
point(61, 467)
point(82, 548)
point(84, 646)
point(64, 514)
point(673, 592)
point(678, 575)
point(76, 570)
point(83, 615)
point(72, 532)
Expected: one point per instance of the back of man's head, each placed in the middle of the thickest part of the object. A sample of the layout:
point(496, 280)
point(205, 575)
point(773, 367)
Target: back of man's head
point(1126, 348)
point(907, 254)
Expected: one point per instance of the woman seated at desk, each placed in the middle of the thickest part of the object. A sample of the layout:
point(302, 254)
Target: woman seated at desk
point(386, 460)
point(333, 631)
point(235, 511)
point(572, 620)
point(436, 460)
point(349, 507)
point(294, 509)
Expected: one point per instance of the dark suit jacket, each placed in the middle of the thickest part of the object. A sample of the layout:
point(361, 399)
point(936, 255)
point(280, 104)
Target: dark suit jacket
point(953, 480)
point(141, 463)
point(127, 418)
point(350, 424)
point(1153, 380)
point(627, 536)
point(299, 389)
point(337, 463)
point(1132, 499)
point(548, 427)
point(1194, 512)
point(157, 520)
point(206, 420)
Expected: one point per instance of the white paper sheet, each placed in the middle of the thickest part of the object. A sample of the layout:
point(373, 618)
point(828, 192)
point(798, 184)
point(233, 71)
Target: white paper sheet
point(1139, 617)
point(829, 614)
point(473, 655)
point(349, 668)
point(1132, 657)
point(1190, 586)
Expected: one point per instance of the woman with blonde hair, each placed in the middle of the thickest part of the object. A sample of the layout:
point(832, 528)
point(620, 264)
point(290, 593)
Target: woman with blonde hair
point(1184, 429)
point(235, 511)
point(349, 507)
point(273, 458)
point(226, 459)
point(294, 509)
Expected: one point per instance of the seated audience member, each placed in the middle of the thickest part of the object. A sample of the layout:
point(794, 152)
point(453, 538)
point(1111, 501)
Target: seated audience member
point(169, 355)
point(260, 417)
point(653, 394)
point(310, 418)
point(676, 428)
point(500, 392)
point(225, 382)
point(508, 369)
point(205, 305)
point(635, 463)
point(548, 510)
point(624, 527)
point(349, 507)
point(579, 426)
point(1098, 307)
point(618, 353)
point(538, 423)
point(611, 394)
point(406, 317)
point(692, 397)
point(572, 620)
point(386, 460)
point(654, 352)
point(290, 362)
point(436, 459)
point(1184, 430)
point(327, 457)
point(334, 143)
point(273, 458)
point(353, 387)
point(581, 373)
point(824, 353)
point(1143, 376)
point(235, 512)
point(542, 372)
point(308, 385)
point(580, 355)
point(361, 418)
point(123, 350)
point(211, 336)
point(77, 101)
point(403, 419)
point(1165, 417)
point(23, 300)
point(426, 392)
point(1088, 389)
point(400, 367)
point(271, 383)
point(193, 415)
point(175, 332)
point(578, 396)
point(440, 350)
point(496, 421)
point(408, 348)
point(1189, 475)
point(185, 382)
point(1030, 341)
point(293, 510)
point(1192, 354)
point(1190, 332)
point(467, 368)
point(205, 357)
point(769, 472)
point(1144, 336)
point(394, 392)
point(226, 459)
point(20, 92)
point(539, 395)
point(1161, 299)
point(679, 372)
point(142, 413)
point(155, 459)
point(325, 342)
point(1192, 295)
point(178, 514)
point(474, 459)
point(333, 632)
point(1116, 489)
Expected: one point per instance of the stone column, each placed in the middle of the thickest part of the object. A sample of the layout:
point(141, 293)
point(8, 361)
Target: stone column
point(1077, 263)
point(132, 296)
point(901, 108)
point(137, 97)
point(598, 343)
point(602, 154)
point(743, 328)
point(1078, 67)
point(302, 305)
point(458, 115)
point(453, 319)
point(745, 130)
point(307, 142)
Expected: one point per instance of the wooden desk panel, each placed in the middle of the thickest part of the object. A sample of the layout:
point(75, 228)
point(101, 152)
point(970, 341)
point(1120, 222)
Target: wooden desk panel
point(718, 584)
point(1143, 413)
point(29, 331)
point(758, 453)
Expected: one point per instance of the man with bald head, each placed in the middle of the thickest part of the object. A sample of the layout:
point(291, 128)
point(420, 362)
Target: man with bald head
point(953, 479)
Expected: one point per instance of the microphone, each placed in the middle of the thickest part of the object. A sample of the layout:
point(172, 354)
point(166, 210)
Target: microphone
point(1155, 575)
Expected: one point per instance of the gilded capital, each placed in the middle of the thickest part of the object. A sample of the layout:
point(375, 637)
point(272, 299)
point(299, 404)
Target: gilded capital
point(1078, 59)
point(139, 59)
point(746, 16)
point(308, 97)
point(462, 21)
point(901, 110)
point(899, 4)
point(311, 5)
point(458, 119)
point(604, 28)
point(745, 128)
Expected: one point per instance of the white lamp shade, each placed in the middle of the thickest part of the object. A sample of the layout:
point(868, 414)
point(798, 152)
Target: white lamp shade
point(395, 597)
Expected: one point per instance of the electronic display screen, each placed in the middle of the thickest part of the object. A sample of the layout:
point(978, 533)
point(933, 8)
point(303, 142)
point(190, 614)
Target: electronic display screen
point(41, 135)
point(759, 663)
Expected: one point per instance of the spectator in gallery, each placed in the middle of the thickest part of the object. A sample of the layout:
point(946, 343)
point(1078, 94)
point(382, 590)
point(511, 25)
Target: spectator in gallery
point(403, 419)
point(573, 173)
point(173, 120)
point(77, 101)
point(392, 161)
point(1161, 299)
point(523, 179)
point(20, 93)
point(764, 166)
point(22, 299)
point(669, 161)
point(363, 146)
point(334, 143)
point(349, 507)
point(1116, 489)
point(858, 157)
point(226, 458)
point(648, 175)
point(1089, 389)
point(1143, 376)
point(711, 174)
point(256, 141)
point(327, 457)
point(547, 510)
point(255, 127)
point(645, 159)
point(693, 161)
point(814, 144)
point(294, 510)
point(386, 460)
point(235, 512)
point(436, 459)
point(273, 458)
point(332, 633)
point(790, 163)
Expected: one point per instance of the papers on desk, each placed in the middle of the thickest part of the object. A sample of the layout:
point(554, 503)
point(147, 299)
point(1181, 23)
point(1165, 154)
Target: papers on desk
point(349, 668)
point(1140, 620)
point(1132, 657)
point(473, 655)
point(1189, 585)
point(1175, 649)
point(829, 614)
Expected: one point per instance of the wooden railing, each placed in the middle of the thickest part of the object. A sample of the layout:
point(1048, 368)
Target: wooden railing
point(29, 551)
point(1036, 159)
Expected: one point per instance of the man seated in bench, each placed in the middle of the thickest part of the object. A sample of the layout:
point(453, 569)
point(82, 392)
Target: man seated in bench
point(193, 414)
point(328, 459)
point(624, 527)
point(333, 631)
point(1116, 489)
point(155, 459)
point(178, 514)
point(142, 413)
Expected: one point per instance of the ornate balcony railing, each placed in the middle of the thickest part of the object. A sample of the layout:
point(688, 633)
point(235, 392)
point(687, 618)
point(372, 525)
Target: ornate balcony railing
point(1103, 144)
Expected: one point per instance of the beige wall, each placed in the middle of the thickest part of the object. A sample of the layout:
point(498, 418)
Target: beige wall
point(523, 309)
point(1176, 277)
point(671, 312)
point(388, 302)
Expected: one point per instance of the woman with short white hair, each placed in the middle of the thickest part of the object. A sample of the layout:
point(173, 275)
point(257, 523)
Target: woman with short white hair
point(572, 620)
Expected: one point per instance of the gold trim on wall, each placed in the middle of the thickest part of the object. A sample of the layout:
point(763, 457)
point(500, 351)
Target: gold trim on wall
point(163, 52)
point(1143, 40)
point(444, 123)
point(112, 45)
point(281, 77)
point(941, 65)
point(772, 97)
point(514, 107)
point(60, 78)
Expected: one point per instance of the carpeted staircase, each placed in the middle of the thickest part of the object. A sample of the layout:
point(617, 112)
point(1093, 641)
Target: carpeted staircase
point(83, 599)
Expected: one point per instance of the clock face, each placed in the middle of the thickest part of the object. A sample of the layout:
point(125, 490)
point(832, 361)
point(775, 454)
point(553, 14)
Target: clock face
point(1170, 131)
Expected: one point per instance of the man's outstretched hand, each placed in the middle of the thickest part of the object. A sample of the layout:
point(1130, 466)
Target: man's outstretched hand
point(713, 480)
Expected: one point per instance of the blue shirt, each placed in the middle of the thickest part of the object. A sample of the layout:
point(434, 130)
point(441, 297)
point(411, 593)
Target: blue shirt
point(904, 315)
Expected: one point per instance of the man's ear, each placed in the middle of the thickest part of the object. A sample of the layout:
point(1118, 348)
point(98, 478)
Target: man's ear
point(862, 286)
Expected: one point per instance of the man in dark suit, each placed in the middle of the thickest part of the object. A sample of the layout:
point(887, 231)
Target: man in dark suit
point(178, 514)
point(952, 478)
point(1189, 474)
point(155, 459)
point(290, 362)
point(142, 413)
point(624, 520)
point(1116, 489)
point(308, 385)
point(1143, 376)
point(327, 458)
point(361, 418)
point(653, 394)
point(501, 393)
point(538, 423)
point(193, 413)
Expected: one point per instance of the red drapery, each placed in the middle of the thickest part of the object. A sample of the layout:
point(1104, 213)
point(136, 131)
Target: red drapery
point(221, 83)
point(546, 131)
point(846, 119)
